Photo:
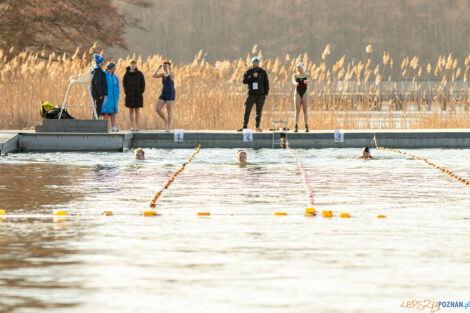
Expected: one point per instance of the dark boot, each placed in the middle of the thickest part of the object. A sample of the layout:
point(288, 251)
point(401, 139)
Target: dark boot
point(296, 128)
point(306, 128)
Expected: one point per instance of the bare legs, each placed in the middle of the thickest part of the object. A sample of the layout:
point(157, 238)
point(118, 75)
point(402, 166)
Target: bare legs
point(137, 113)
point(298, 102)
point(111, 118)
point(169, 110)
point(134, 118)
point(169, 106)
point(131, 117)
point(301, 102)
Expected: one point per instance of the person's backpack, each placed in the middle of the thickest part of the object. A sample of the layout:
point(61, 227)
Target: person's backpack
point(46, 107)
point(48, 111)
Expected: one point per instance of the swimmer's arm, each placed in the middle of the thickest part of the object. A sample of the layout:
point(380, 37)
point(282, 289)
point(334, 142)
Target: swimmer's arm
point(293, 80)
point(156, 74)
point(172, 75)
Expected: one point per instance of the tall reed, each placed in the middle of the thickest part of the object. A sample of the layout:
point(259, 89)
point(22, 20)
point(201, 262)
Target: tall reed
point(348, 95)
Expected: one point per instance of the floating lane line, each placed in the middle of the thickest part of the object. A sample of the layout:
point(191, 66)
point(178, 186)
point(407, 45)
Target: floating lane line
point(172, 179)
point(304, 175)
point(425, 160)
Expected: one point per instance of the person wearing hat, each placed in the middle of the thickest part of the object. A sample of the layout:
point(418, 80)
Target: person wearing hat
point(258, 88)
point(134, 87)
point(99, 88)
point(300, 80)
point(110, 104)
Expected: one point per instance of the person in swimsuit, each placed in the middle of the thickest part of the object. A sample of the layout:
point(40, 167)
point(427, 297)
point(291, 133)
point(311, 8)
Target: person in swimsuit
point(168, 92)
point(300, 80)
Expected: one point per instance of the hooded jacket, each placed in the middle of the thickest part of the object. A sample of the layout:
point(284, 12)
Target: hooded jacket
point(99, 87)
point(110, 105)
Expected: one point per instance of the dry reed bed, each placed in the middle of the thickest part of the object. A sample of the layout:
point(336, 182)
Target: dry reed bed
point(211, 96)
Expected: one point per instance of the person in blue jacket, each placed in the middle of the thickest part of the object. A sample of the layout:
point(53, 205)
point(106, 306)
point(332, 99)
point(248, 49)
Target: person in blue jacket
point(110, 104)
point(99, 88)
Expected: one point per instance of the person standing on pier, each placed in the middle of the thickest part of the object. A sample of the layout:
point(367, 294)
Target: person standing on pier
point(134, 87)
point(99, 88)
point(300, 81)
point(110, 104)
point(258, 88)
point(168, 92)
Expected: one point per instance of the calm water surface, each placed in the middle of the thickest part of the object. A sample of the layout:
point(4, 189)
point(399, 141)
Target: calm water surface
point(241, 258)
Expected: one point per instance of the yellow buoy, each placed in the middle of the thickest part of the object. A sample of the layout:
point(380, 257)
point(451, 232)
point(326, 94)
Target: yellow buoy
point(59, 212)
point(149, 213)
point(203, 213)
point(381, 216)
point(327, 214)
point(345, 215)
point(2, 212)
point(280, 213)
point(106, 213)
point(310, 211)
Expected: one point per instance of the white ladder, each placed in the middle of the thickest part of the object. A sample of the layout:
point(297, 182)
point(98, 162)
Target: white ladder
point(79, 79)
point(281, 118)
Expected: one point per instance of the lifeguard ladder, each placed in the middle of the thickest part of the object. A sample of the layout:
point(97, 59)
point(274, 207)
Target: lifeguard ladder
point(281, 118)
point(80, 79)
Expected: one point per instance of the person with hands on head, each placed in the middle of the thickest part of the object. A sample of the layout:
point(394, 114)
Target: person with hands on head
point(168, 92)
point(258, 88)
point(300, 80)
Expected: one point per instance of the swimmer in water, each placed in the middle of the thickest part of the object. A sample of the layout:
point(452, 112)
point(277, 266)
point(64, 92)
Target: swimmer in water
point(365, 154)
point(241, 158)
point(139, 154)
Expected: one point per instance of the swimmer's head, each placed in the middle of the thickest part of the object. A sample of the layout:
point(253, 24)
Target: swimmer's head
point(300, 66)
point(139, 154)
point(241, 157)
point(366, 152)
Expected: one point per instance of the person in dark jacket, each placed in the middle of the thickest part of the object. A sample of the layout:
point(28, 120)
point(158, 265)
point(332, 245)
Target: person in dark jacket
point(258, 88)
point(134, 87)
point(99, 87)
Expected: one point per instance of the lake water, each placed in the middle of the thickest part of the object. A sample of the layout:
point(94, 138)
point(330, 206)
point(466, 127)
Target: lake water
point(242, 258)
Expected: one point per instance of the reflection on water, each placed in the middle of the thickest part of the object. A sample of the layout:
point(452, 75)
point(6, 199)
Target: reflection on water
point(26, 186)
point(241, 258)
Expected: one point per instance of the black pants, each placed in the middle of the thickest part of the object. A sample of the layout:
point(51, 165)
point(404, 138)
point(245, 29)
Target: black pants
point(259, 100)
point(98, 105)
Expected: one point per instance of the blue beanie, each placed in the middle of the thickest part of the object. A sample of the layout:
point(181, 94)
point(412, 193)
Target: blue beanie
point(255, 59)
point(110, 65)
point(98, 58)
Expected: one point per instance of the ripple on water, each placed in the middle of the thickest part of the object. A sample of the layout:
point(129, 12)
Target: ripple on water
point(241, 258)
